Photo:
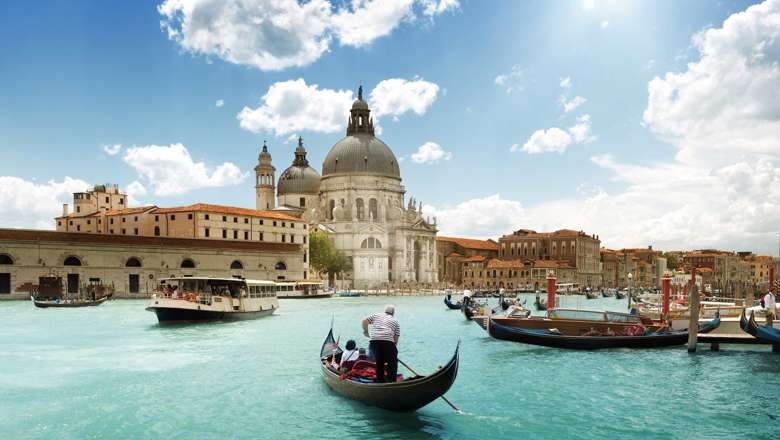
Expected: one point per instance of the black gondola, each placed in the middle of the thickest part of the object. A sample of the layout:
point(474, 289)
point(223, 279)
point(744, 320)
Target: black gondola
point(620, 295)
point(404, 396)
point(469, 308)
point(451, 305)
point(762, 332)
point(541, 305)
point(69, 303)
point(549, 338)
point(591, 294)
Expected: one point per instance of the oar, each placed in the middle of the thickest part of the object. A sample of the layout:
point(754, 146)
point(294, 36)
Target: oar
point(442, 396)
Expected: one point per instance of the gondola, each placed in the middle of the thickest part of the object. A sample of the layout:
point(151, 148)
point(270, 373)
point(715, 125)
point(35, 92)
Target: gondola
point(451, 305)
point(591, 295)
point(541, 305)
point(550, 338)
point(606, 293)
point(71, 303)
point(762, 332)
point(469, 308)
point(620, 295)
point(404, 396)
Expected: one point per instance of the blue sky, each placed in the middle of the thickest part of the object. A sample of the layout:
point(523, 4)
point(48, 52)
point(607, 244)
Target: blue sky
point(76, 76)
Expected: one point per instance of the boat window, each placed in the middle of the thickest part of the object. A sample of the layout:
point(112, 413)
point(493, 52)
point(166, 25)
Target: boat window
point(622, 317)
point(582, 315)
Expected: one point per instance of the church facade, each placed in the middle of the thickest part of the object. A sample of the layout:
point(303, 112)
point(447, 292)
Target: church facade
point(359, 200)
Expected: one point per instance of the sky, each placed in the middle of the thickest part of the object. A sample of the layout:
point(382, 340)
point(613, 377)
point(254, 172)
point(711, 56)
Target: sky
point(644, 122)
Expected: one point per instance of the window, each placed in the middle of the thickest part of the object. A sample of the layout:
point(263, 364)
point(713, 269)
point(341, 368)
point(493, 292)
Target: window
point(292, 238)
point(6, 259)
point(235, 234)
point(133, 262)
point(124, 220)
point(156, 231)
point(284, 225)
point(261, 222)
point(206, 232)
point(246, 235)
point(236, 265)
point(302, 202)
point(304, 239)
point(173, 217)
point(224, 218)
point(371, 243)
point(274, 222)
point(284, 238)
point(135, 231)
point(224, 233)
point(59, 223)
point(106, 199)
point(304, 256)
point(304, 226)
point(361, 209)
point(78, 208)
point(189, 216)
point(135, 219)
point(246, 221)
point(261, 237)
point(235, 219)
point(78, 227)
point(331, 207)
point(280, 266)
point(292, 225)
point(89, 222)
point(72, 261)
point(373, 209)
point(124, 231)
point(110, 231)
point(122, 201)
point(187, 264)
point(111, 221)
point(206, 216)
point(157, 218)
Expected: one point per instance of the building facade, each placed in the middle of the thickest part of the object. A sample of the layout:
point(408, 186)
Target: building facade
point(135, 264)
point(452, 252)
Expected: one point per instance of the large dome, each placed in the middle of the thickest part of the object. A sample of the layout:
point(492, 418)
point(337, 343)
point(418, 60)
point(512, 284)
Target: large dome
point(299, 178)
point(361, 153)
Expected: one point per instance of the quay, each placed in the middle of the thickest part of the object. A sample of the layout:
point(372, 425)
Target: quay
point(716, 339)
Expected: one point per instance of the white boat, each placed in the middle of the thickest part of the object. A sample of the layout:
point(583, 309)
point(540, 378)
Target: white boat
point(200, 299)
point(729, 321)
point(302, 290)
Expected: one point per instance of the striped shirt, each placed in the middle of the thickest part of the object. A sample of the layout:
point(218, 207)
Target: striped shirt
point(384, 327)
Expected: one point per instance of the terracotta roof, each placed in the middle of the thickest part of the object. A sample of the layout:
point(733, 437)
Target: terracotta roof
point(504, 264)
point(134, 240)
point(471, 243)
point(558, 233)
point(204, 207)
point(454, 254)
point(475, 258)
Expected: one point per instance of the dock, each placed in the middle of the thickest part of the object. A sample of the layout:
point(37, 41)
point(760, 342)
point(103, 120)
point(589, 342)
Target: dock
point(733, 338)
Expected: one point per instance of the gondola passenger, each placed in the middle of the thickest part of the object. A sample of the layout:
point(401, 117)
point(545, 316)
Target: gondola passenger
point(350, 355)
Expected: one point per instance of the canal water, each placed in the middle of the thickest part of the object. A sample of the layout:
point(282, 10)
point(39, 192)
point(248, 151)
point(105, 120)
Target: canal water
point(111, 372)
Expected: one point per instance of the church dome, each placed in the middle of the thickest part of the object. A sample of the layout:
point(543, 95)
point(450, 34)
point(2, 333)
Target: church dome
point(299, 178)
point(360, 151)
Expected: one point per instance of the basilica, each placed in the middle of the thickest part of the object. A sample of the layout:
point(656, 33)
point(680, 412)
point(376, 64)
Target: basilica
point(358, 200)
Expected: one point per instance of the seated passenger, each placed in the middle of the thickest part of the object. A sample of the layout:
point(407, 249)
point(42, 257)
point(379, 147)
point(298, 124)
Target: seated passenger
point(350, 355)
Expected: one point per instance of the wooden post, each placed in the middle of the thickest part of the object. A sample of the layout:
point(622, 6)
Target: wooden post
point(693, 322)
point(551, 290)
point(665, 285)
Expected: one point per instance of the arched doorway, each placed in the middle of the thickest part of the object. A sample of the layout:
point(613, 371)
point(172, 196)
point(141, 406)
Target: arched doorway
point(73, 278)
point(133, 279)
point(187, 263)
point(5, 276)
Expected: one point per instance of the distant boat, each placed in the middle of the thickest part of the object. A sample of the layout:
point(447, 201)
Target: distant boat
point(50, 294)
point(452, 306)
point(591, 294)
point(606, 293)
point(348, 294)
point(557, 339)
point(67, 303)
point(620, 295)
point(403, 396)
point(302, 290)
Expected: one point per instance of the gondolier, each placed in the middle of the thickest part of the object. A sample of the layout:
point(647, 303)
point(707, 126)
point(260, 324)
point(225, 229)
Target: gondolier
point(383, 339)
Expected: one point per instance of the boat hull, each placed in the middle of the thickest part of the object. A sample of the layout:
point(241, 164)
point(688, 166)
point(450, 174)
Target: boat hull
point(303, 296)
point(64, 305)
point(171, 315)
point(451, 306)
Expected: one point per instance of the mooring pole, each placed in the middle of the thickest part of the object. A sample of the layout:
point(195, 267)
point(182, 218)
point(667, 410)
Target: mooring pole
point(693, 322)
point(551, 290)
point(665, 288)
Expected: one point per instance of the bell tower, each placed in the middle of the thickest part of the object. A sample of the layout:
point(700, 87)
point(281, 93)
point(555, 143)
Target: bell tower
point(265, 181)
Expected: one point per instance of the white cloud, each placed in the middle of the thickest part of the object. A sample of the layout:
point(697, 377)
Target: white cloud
point(510, 81)
point(552, 140)
point(604, 24)
point(514, 147)
point(293, 106)
point(468, 218)
point(581, 132)
point(728, 101)
point(112, 150)
point(588, 4)
point(278, 34)
point(170, 170)
point(26, 204)
point(571, 104)
point(430, 153)
point(397, 96)
point(219, 103)
point(135, 190)
point(565, 83)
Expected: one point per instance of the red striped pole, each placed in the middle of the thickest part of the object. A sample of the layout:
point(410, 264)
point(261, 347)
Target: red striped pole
point(551, 290)
point(665, 287)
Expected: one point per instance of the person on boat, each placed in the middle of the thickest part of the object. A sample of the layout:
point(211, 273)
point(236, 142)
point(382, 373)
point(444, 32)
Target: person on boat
point(770, 305)
point(350, 355)
point(383, 341)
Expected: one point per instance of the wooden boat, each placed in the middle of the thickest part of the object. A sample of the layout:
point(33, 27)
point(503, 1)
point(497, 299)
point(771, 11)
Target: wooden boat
point(620, 295)
point(591, 295)
point(540, 304)
point(557, 339)
point(67, 303)
point(404, 396)
point(452, 306)
point(469, 308)
point(763, 332)
point(606, 293)
point(574, 321)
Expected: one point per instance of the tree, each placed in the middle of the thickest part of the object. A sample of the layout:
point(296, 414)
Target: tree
point(325, 258)
point(671, 260)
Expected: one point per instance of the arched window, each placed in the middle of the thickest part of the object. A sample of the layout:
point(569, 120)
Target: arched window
point(372, 209)
point(72, 261)
point(371, 243)
point(133, 262)
point(280, 266)
point(331, 207)
point(236, 265)
point(361, 209)
point(187, 264)
point(6, 259)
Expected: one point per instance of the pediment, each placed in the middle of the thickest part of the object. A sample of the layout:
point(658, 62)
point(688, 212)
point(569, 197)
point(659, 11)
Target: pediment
point(371, 228)
point(422, 225)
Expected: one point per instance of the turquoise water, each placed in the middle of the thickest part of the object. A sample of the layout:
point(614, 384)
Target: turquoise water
point(112, 372)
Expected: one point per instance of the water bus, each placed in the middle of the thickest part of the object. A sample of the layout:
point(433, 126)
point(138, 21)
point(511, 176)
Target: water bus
point(199, 299)
point(302, 290)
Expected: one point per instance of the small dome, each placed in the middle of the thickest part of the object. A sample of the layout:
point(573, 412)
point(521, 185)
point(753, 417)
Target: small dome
point(361, 153)
point(299, 180)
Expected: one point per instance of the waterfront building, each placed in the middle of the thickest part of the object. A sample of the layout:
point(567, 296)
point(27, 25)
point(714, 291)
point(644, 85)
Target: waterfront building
point(133, 264)
point(569, 249)
point(482, 273)
point(452, 253)
point(724, 268)
point(359, 200)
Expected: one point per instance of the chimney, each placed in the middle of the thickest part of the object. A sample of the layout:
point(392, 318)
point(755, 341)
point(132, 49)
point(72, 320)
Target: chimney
point(64, 209)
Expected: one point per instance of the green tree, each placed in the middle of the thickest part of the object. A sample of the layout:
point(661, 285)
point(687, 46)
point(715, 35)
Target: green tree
point(671, 260)
point(325, 258)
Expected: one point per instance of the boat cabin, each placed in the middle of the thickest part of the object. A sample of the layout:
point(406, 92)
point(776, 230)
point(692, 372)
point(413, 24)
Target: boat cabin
point(205, 287)
point(593, 315)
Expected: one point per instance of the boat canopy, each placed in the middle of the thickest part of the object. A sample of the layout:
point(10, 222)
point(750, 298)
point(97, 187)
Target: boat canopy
point(592, 315)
